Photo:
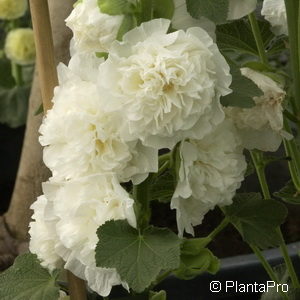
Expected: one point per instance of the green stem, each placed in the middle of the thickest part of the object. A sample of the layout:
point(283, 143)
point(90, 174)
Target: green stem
point(164, 157)
point(268, 269)
point(288, 261)
point(292, 168)
point(17, 73)
point(292, 150)
point(219, 228)
point(260, 170)
point(258, 38)
point(141, 195)
point(163, 168)
point(292, 20)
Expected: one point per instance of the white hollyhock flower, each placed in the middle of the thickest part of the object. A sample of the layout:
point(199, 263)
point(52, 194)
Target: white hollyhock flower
point(240, 8)
point(274, 11)
point(183, 20)
point(82, 206)
point(43, 234)
point(93, 31)
point(81, 139)
point(211, 171)
point(261, 127)
point(166, 85)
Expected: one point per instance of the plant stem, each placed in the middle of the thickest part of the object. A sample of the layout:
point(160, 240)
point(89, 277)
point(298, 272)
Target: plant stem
point(258, 38)
point(17, 73)
point(292, 20)
point(292, 150)
point(141, 195)
point(260, 170)
point(288, 261)
point(292, 168)
point(164, 157)
point(268, 269)
point(219, 228)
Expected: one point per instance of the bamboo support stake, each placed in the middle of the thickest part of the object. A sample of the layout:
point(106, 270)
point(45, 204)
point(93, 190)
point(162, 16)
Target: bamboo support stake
point(48, 80)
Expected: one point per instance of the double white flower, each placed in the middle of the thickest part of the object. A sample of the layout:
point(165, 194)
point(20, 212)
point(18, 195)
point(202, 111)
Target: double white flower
point(81, 139)
point(93, 31)
point(67, 218)
point(211, 171)
point(167, 85)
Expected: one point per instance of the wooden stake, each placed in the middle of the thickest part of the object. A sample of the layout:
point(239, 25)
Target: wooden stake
point(48, 80)
point(44, 50)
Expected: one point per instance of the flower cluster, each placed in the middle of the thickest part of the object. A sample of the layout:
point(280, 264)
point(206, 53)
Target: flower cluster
point(157, 88)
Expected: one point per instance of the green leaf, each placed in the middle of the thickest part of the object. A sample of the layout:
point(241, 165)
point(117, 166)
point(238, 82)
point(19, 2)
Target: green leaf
point(243, 90)
point(257, 219)
point(116, 7)
point(237, 36)
point(27, 280)
point(137, 256)
point(161, 295)
point(40, 110)
point(258, 66)
point(194, 265)
point(215, 10)
point(14, 105)
point(289, 194)
point(278, 77)
point(6, 78)
point(163, 187)
point(128, 23)
point(163, 9)
point(102, 54)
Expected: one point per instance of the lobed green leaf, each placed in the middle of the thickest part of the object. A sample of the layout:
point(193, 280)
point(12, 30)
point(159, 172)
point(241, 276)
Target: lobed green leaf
point(243, 90)
point(28, 280)
point(257, 219)
point(215, 10)
point(137, 256)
